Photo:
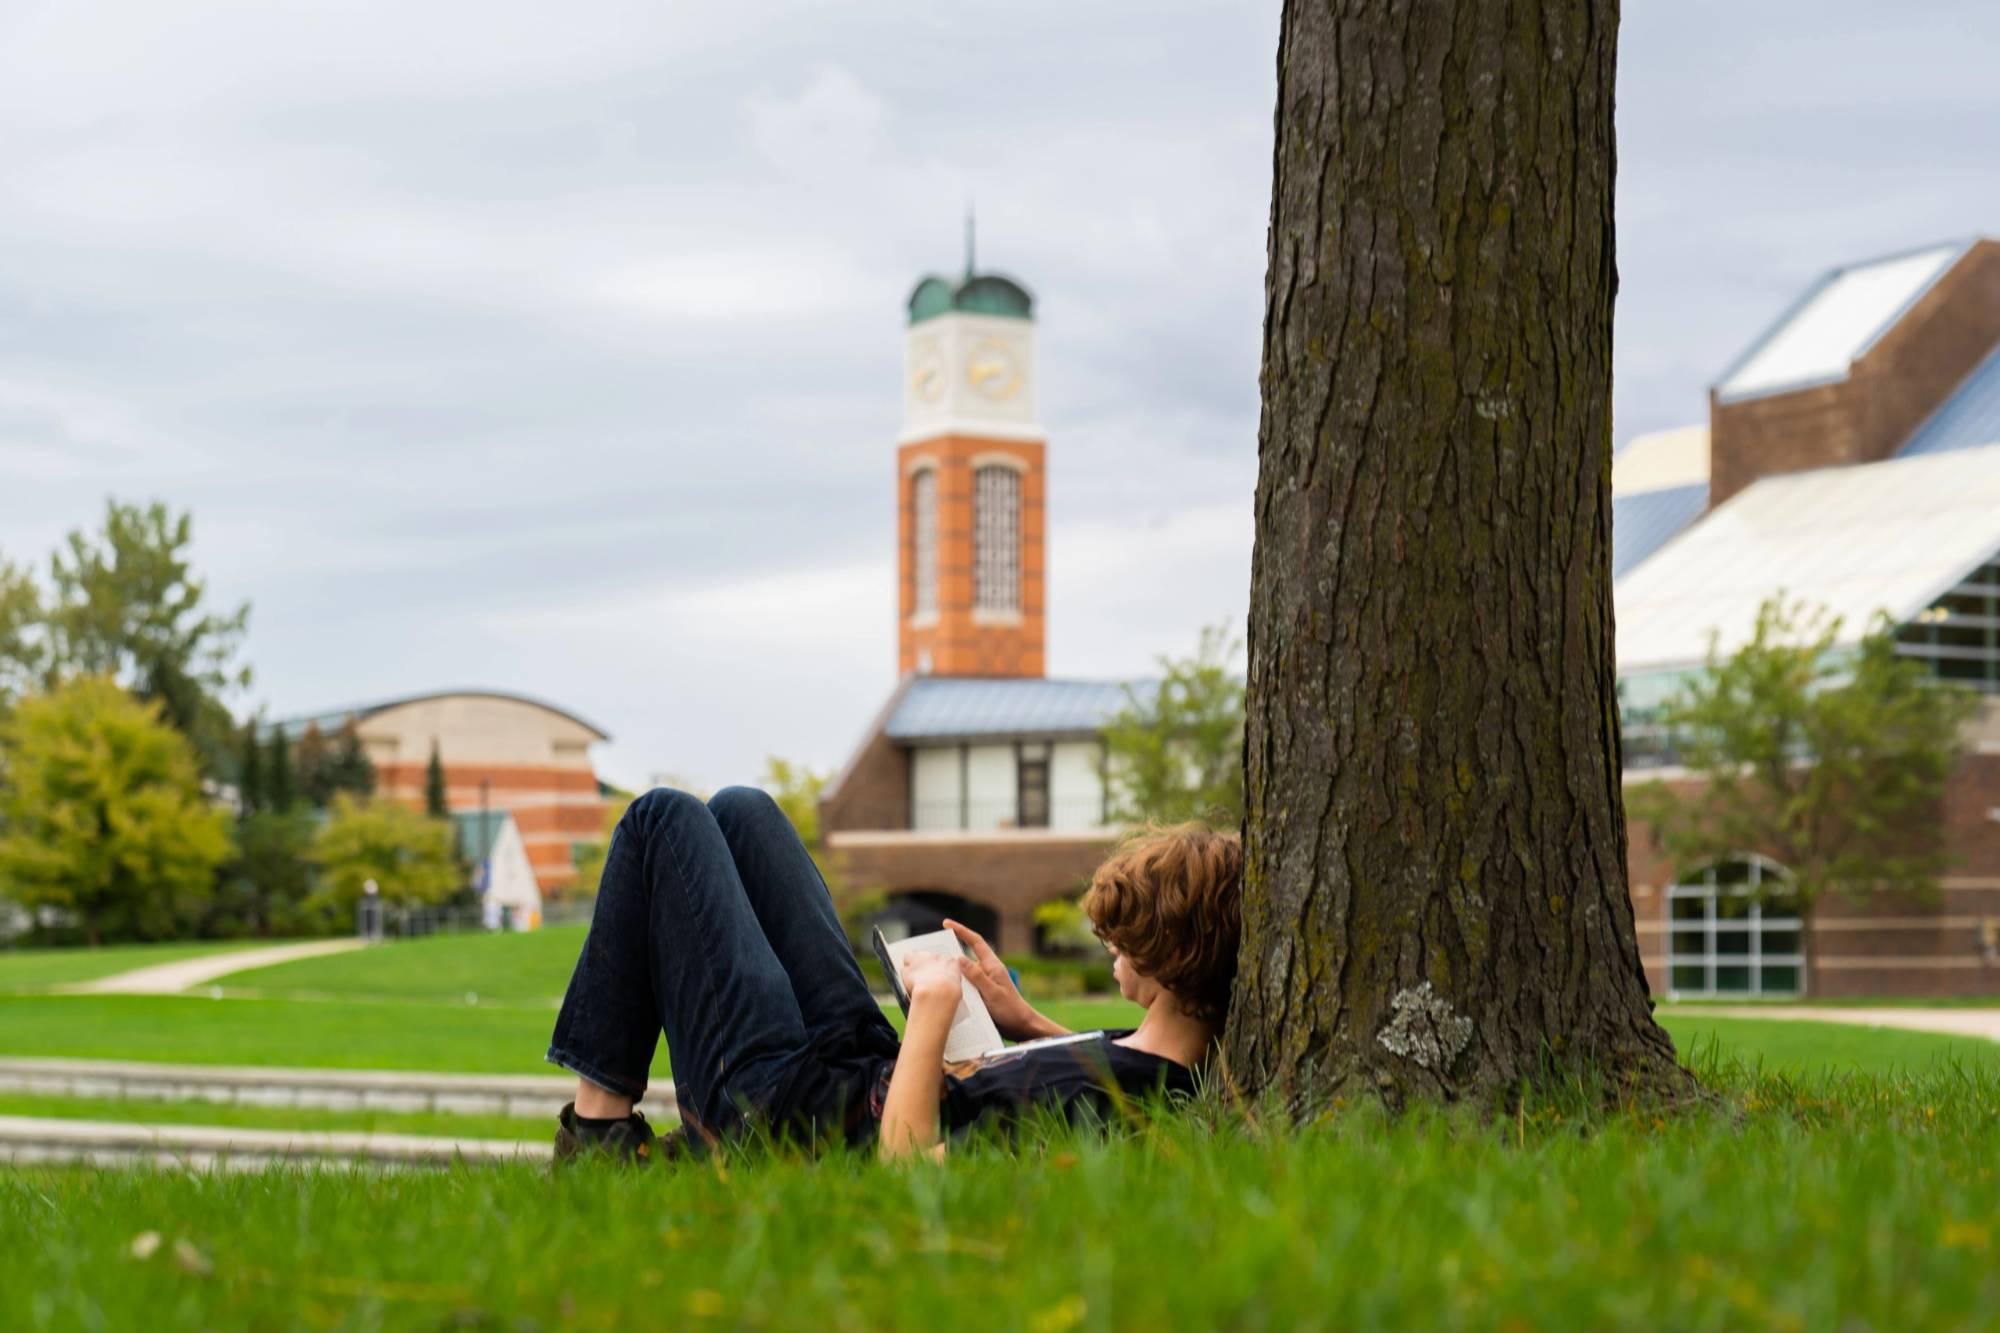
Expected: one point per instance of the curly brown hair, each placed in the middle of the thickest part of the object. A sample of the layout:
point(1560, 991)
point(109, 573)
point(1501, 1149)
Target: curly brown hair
point(1171, 901)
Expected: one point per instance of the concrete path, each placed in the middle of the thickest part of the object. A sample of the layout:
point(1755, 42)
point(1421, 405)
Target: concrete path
point(1951, 1022)
point(26, 1139)
point(173, 978)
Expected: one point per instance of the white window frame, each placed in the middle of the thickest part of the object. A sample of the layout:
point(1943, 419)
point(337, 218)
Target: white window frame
point(1712, 927)
point(996, 539)
point(924, 544)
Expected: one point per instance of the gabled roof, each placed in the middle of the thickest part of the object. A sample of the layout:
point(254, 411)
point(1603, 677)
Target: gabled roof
point(1966, 420)
point(1836, 321)
point(478, 831)
point(1876, 537)
point(334, 719)
point(963, 707)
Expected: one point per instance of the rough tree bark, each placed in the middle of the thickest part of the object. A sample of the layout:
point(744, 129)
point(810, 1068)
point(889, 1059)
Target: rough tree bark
point(1435, 888)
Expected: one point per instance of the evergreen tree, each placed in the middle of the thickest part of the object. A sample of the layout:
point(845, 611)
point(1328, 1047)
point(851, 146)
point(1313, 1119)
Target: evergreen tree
point(436, 804)
point(250, 772)
point(351, 770)
point(280, 789)
point(312, 761)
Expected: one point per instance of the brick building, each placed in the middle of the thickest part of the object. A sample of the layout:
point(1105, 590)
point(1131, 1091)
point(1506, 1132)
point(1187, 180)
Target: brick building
point(1851, 459)
point(978, 789)
point(501, 752)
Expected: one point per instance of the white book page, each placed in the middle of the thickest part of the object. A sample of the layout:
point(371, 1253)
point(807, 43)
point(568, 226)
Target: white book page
point(972, 1032)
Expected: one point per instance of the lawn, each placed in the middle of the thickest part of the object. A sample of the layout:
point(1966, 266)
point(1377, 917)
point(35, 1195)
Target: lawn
point(1851, 1201)
point(38, 969)
point(329, 1034)
point(524, 967)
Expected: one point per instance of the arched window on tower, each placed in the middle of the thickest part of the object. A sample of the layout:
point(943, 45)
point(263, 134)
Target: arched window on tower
point(996, 539)
point(924, 540)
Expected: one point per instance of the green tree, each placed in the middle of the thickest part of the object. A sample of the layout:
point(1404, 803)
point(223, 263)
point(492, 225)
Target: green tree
point(22, 646)
point(589, 856)
point(102, 813)
point(351, 770)
point(1178, 754)
point(281, 790)
point(265, 886)
point(437, 803)
point(1832, 763)
point(796, 788)
point(312, 767)
point(250, 793)
point(126, 603)
point(410, 856)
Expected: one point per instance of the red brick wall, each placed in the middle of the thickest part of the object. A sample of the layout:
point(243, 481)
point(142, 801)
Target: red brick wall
point(957, 644)
point(1011, 873)
point(555, 808)
point(1887, 944)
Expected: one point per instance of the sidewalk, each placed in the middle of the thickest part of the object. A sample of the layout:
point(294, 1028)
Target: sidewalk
point(25, 1139)
point(1950, 1022)
point(173, 978)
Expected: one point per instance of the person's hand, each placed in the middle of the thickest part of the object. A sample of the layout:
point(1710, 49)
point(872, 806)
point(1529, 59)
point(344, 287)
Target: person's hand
point(1012, 1014)
point(932, 978)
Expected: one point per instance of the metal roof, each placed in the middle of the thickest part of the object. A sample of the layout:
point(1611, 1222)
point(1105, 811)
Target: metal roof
point(1887, 536)
point(1643, 522)
point(478, 831)
point(1967, 419)
point(958, 707)
point(1837, 320)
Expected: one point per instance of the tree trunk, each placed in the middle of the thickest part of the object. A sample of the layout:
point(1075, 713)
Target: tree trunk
point(1435, 892)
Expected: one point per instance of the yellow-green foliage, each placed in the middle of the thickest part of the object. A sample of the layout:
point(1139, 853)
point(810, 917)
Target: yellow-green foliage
point(102, 810)
point(406, 852)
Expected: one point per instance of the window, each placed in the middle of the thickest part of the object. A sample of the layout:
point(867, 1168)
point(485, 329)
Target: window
point(1958, 636)
point(1032, 770)
point(924, 540)
point(996, 538)
point(1726, 936)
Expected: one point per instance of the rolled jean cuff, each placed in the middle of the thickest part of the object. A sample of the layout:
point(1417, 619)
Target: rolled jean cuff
point(590, 1073)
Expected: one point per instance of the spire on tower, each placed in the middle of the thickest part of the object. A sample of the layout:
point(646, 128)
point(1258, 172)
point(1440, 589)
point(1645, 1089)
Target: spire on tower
point(970, 219)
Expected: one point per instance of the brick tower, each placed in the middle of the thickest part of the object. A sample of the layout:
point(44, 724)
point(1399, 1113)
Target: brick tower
point(970, 474)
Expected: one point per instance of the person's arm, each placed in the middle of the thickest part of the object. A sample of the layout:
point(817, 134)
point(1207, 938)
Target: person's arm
point(1012, 1014)
point(910, 1111)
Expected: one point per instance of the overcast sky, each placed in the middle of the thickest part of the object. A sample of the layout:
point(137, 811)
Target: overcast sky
point(557, 348)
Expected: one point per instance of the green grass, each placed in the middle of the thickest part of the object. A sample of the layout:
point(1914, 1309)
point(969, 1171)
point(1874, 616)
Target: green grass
point(525, 967)
point(448, 1038)
point(38, 969)
point(1829, 1202)
point(1792, 1045)
point(462, 1038)
point(145, 1111)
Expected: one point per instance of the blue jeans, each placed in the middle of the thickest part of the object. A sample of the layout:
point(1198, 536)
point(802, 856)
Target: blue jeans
point(714, 926)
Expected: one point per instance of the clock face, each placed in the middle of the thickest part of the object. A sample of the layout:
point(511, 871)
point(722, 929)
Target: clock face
point(927, 373)
point(993, 370)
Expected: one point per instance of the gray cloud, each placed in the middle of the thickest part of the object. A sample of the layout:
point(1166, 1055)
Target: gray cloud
point(559, 349)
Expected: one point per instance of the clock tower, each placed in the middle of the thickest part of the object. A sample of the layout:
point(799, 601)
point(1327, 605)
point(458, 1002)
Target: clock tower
point(970, 482)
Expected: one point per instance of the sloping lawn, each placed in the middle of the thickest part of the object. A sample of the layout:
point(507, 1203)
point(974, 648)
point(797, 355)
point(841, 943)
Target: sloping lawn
point(1845, 1202)
point(447, 1038)
point(528, 967)
point(39, 969)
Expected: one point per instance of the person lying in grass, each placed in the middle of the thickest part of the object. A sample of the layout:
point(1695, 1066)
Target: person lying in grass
point(713, 926)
